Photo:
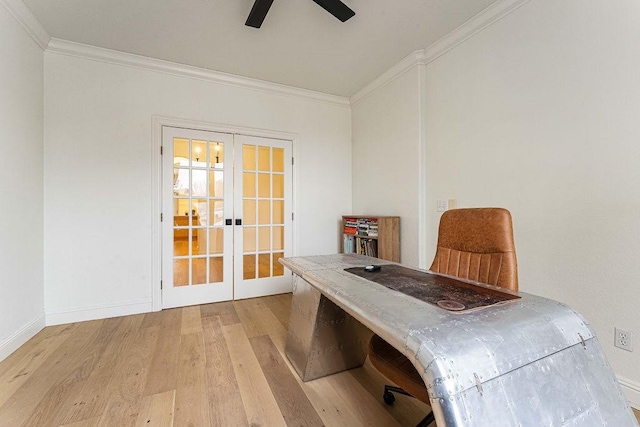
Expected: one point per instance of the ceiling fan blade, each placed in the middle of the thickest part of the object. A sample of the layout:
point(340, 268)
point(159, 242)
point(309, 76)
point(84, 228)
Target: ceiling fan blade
point(258, 13)
point(336, 8)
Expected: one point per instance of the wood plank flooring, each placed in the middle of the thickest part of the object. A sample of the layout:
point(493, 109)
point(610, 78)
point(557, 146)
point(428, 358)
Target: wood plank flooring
point(212, 365)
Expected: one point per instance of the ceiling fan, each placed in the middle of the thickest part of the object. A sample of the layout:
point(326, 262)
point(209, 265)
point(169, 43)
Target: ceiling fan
point(261, 7)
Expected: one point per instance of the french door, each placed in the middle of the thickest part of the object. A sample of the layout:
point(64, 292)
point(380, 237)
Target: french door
point(226, 209)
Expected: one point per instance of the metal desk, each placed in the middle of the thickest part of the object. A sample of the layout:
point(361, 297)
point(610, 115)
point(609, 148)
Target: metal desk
point(532, 362)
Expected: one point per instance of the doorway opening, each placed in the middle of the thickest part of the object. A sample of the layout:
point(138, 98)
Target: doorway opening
point(226, 216)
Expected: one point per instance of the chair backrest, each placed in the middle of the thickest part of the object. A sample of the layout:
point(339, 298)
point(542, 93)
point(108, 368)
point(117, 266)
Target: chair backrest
point(477, 244)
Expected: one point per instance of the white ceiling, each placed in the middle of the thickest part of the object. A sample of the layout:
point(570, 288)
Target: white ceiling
point(299, 44)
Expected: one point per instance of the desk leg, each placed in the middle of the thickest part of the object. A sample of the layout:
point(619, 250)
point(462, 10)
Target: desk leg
point(322, 338)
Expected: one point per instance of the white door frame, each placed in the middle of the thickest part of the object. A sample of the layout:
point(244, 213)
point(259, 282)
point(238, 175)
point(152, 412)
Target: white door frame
point(156, 184)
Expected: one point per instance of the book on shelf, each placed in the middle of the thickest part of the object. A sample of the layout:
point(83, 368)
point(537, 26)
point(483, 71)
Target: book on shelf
point(368, 247)
point(359, 245)
point(372, 235)
point(348, 244)
point(361, 226)
point(351, 226)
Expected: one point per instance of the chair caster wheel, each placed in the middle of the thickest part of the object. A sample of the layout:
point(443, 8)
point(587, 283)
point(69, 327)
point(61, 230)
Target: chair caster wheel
point(388, 398)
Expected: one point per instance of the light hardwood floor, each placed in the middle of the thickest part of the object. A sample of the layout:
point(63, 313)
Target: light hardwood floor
point(218, 364)
point(211, 365)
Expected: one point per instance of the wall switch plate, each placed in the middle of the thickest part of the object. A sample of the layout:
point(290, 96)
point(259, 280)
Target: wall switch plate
point(453, 204)
point(623, 339)
point(441, 205)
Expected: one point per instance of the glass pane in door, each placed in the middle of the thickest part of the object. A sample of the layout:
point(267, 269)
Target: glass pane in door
point(216, 212)
point(278, 160)
point(216, 152)
point(181, 272)
point(264, 185)
point(249, 184)
point(249, 267)
point(278, 186)
point(264, 265)
point(264, 212)
point(278, 212)
point(264, 244)
point(278, 269)
point(264, 154)
point(199, 271)
point(249, 212)
point(215, 269)
point(216, 240)
point(199, 153)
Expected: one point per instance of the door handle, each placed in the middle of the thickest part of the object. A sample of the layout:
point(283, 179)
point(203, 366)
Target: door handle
point(228, 221)
point(238, 222)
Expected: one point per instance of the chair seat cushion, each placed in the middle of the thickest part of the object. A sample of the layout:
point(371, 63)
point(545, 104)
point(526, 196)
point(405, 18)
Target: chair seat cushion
point(396, 367)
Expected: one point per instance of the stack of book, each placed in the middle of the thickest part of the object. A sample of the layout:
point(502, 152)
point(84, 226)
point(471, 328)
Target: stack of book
point(373, 229)
point(367, 227)
point(350, 226)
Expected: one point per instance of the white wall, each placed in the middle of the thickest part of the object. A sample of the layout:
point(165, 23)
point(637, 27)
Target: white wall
point(386, 152)
point(98, 174)
point(21, 218)
point(540, 113)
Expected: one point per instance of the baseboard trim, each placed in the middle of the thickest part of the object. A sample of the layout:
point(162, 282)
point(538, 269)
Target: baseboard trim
point(98, 311)
point(24, 334)
point(631, 390)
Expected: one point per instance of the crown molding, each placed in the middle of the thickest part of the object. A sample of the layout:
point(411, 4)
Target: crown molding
point(23, 15)
point(487, 17)
point(64, 47)
point(476, 24)
point(407, 63)
point(473, 26)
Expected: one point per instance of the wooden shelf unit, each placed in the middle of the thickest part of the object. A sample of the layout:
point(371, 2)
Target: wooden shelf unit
point(386, 244)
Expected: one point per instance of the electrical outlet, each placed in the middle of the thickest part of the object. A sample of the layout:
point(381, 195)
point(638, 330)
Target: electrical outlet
point(623, 339)
point(441, 206)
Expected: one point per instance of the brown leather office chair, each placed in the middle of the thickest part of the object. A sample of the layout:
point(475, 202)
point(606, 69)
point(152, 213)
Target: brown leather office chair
point(475, 244)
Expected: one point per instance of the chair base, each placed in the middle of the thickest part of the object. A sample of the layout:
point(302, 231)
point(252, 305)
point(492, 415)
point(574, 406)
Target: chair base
point(389, 398)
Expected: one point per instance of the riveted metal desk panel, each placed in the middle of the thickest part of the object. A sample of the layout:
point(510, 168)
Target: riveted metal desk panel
point(530, 362)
